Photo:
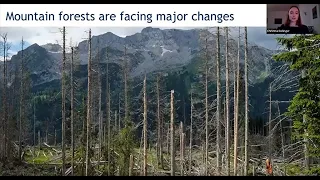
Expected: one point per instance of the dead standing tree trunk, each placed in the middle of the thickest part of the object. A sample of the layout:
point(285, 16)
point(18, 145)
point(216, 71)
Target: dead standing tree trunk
point(4, 100)
point(181, 149)
point(246, 160)
point(63, 89)
point(126, 100)
point(72, 112)
point(109, 129)
point(99, 106)
point(305, 139)
point(131, 165)
point(145, 126)
point(191, 137)
point(236, 115)
point(227, 136)
point(218, 149)
point(206, 109)
point(172, 144)
point(270, 125)
point(159, 127)
point(21, 117)
point(108, 146)
point(88, 106)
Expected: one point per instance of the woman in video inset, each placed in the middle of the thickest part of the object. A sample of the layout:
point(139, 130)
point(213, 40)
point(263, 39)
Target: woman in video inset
point(293, 22)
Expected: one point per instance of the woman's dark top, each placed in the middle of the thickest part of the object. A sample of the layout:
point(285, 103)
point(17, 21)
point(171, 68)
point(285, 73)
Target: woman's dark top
point(303, 29)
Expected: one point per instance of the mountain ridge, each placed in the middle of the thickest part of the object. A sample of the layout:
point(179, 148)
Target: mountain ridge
point(153, 49)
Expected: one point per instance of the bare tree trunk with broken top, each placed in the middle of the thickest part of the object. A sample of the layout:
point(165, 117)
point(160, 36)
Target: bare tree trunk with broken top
point(168, 137)
point(183, 152)
point(236, 111)
point(21, 117)
point(4, 100)
point(159, 128)
point(131, 165)
point(119, 113)
point(88, 106)
point(246, 160)
point(172, 145)
point(126, 100)
point(34, 128)
point(145, 126)
point(83, 154)
point(281, 134)
point(55, 137)
point(47, 130)
point(39, 140)
point(99, 106)
point(109, 128)
point(108, 112)
point(72, 113)
point(63, 89)
point(305, 139)
point(191, 126)
point(270, 126)
point(116, 121)
point(181, 149)
point(207, 110)
point(218, 150)
point(227, 107)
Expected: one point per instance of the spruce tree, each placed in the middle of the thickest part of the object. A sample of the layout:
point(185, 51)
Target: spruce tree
point(303, 52)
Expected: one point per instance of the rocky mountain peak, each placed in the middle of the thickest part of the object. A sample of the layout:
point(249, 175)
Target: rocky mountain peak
point(151, 50)
point(52, 47)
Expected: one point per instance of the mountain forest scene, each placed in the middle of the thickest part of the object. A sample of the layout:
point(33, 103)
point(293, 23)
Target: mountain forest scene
point(161, 102)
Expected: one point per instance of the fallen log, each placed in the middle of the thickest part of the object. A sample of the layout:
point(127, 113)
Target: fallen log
point(57, 151)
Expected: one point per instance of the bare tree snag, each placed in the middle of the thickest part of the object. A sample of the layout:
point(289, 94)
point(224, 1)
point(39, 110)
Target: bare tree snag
point(55, 137)
point(100, 105)
point(207, 110)
point(159, 127)
point(236, 116)
point(126, 103)
point(172, 144)
point(88, 106)
point(119, 119)
point(181, 149)
point(21, 117)
point(131, 165)
point(39, 140)
point(145, 126)
point(227, 107)
point(4, 99)
point(168, 136)
point(218, 149)
point(191, 127)
point(72, 112)
point(246, 160)
point(306, 140)
point(34, 127)
point(109, 129)
point(270, 126)
point(63, 93)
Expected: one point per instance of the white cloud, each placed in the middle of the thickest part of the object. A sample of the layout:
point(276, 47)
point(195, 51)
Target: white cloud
point(44, 35)
point(10, 54)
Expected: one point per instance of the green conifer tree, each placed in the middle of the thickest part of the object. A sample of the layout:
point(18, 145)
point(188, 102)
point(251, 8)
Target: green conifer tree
point(303, 52)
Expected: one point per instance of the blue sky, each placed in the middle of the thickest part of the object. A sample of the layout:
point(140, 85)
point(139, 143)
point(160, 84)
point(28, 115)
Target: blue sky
point(16, 46)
